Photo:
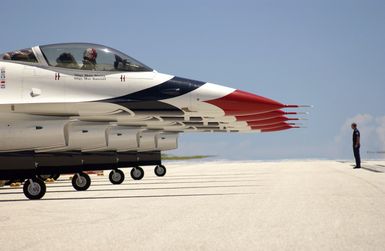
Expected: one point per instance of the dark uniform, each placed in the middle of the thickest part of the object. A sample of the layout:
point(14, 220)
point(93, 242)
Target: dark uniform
point(356, 150)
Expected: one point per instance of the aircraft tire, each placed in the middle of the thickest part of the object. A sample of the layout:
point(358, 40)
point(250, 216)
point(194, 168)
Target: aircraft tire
point(34, 190)
point(160, 170)
point(81, 181)
point(116, 177)
point(137, 173)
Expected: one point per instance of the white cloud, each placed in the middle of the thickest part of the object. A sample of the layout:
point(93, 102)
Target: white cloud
point(380, 130)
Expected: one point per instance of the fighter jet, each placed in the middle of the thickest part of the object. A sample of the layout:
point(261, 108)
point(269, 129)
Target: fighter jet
point(75, 107)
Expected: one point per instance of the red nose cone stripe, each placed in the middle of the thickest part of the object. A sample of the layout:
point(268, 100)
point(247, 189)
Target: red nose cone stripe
point(272, 121)
point(263, 116)
point(244, 103)
point(277, 129)
point(266, 127)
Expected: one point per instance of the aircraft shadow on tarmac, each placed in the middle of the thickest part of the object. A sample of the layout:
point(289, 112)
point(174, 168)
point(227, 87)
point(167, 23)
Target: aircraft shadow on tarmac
point(193, 183)
point(134, 197)
point(98, 183)
point(134, 189)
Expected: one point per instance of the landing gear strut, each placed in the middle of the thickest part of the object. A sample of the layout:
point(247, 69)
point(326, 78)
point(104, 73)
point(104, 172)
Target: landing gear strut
point(116, 177)
point(34, 188)
point(81, 181)
point(160, 170)
point(137, 173)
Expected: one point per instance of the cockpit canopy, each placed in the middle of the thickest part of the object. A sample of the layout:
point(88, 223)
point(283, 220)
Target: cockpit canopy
point(80, 56)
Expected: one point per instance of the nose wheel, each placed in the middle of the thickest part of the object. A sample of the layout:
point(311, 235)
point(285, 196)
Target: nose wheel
point(160, 170)
point(81, 181)
point(34, 189)
point(116, 177)
point(137, 173)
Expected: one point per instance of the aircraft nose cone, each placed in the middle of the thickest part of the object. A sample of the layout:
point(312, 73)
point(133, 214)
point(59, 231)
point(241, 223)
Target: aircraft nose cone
point(244, 103)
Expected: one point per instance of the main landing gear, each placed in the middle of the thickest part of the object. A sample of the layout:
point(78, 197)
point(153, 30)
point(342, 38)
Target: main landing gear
point(116, 176)
point(34, 188)
point(160, 170)
point(81, 181)
point(137, 173)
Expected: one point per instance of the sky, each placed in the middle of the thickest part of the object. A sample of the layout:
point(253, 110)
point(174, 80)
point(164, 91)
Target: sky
point(326, 53)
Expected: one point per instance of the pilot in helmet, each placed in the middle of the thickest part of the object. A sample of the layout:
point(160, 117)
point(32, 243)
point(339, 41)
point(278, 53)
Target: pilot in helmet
point(66, 60)
point(89, 59)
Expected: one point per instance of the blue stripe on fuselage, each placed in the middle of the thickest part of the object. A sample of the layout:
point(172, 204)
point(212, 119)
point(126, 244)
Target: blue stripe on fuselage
point(149, 100)
point(170, 89)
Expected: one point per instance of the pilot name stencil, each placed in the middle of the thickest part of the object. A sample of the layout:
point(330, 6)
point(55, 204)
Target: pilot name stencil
point(2, 78)
point(89, 77)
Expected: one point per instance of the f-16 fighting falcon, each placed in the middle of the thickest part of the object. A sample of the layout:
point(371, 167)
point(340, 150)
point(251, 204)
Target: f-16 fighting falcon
point(76, 107)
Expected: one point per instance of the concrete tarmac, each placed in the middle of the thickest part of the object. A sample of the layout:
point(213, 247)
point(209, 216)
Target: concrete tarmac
point(287, 205)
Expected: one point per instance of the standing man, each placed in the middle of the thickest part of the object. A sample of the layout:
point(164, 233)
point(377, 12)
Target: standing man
point(356, 145)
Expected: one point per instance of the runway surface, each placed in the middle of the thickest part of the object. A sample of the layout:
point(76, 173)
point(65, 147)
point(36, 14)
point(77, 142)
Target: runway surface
point(287, 205)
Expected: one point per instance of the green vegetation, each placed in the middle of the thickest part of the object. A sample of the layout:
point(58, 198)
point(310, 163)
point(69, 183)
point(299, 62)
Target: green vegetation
point(172, 157)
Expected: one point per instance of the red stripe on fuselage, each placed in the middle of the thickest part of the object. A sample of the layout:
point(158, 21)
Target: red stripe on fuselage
point(267, 122)
point(265, 127)
point(244, 103)
point(281, 128)
point(263, 116)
